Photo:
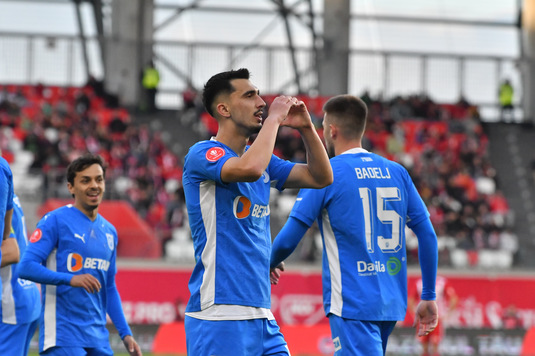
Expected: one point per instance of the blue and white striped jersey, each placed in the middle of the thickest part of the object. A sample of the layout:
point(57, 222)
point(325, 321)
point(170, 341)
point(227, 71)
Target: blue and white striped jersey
point(362, 218)
point(67, 243)
point(6, 193)
point(21, 299)
point(230, 229)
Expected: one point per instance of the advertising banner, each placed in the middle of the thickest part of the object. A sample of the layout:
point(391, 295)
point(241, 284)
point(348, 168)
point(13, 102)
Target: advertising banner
point(159, 296)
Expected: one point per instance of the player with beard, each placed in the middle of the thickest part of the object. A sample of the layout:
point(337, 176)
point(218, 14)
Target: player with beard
point(227, 186)
point(362, 218)
point(72, 254)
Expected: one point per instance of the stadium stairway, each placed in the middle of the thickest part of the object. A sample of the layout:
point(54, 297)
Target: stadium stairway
point(180, 130)
point(511, 153)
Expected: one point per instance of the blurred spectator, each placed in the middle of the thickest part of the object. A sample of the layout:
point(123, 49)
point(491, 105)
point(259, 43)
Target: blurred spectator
point(96, 85)
point(509, 242)
point(510, 318)
point(149, 81)
point(505, 95)
point(190, 97)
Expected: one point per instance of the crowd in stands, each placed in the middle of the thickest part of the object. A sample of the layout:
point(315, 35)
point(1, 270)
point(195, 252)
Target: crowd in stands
point(444, 148)
point(58, 124)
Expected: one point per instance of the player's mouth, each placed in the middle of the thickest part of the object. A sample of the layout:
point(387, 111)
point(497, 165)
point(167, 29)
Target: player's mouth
point(259, 115)
point(94, 195)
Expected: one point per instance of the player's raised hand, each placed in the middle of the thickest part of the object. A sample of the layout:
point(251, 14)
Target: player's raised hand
point(275, 273)
point(131, 346)
point(280, 107)
point(426, 317)
point(87, 282)
point(298, 116)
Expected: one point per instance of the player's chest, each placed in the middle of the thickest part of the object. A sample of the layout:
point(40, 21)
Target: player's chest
point(87, 240)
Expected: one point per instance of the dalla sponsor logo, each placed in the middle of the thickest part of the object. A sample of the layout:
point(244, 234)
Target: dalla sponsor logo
point(392, 266)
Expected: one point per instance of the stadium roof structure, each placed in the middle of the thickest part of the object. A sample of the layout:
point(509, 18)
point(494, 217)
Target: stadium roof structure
point(283, 40)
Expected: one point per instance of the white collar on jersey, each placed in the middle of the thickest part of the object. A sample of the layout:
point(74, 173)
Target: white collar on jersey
point(355, 150)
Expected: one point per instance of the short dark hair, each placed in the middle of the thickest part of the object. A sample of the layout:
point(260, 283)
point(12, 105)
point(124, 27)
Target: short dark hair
point(82, 163)
point(349, 112)
point(220, 83)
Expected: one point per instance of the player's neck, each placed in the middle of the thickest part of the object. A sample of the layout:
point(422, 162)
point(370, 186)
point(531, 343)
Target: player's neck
point(343, 146)
point(234, 141)
point(90, 213)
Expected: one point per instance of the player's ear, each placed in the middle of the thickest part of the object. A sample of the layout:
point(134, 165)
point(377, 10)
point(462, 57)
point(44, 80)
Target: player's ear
point(70, 187)
point(333, 130)
point(223, 110)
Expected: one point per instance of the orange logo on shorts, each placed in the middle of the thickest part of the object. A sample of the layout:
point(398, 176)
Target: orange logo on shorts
point(214, 153)
point(75, 262)
point(36, 236)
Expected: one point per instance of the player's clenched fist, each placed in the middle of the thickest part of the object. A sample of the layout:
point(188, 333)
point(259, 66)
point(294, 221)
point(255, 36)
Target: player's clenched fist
point(87, 282)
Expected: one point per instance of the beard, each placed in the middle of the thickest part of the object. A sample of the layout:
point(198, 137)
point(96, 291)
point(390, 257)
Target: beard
point(330, 150)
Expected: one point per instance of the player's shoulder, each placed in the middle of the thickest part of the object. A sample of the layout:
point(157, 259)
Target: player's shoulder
point(394, 167)
point(202, 146)
point(208, 151)
point(4, 167)
point(62, 210)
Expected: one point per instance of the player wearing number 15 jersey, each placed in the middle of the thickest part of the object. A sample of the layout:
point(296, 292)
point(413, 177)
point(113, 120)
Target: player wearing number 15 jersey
point(362, 218)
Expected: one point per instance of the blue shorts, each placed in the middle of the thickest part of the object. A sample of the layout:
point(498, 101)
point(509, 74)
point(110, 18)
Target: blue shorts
point(15, 339)
point(259, 337)
point(78, 351)
point(359, 338)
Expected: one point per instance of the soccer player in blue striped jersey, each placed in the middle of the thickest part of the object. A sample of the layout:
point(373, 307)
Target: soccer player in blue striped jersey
point(72, 254)
point(9, 250)
point(362, 218)
point(227, 187)
point(21, 299)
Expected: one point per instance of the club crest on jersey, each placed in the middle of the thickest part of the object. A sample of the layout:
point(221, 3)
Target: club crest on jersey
point(110, 241)
point(265, 177)
point(214, 153)
point(36, 236)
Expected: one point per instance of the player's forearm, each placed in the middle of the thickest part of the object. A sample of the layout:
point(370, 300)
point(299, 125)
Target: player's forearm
point(115, 311)
point(258, 156)
point(7, 224)
point(36, 272)
point(10, 252)
point(428, 256)
point(317, 159)
point(287, 240)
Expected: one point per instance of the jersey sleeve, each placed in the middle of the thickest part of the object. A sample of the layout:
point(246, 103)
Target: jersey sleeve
point(417, 211)
point(6, 192)
point(308, 205)
point(115, 311)
point(205, 161)
point(10, 191)
point(114, 306)
point(279, 170)
point(43, 240)
point(287, 240)
point(428, 256)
